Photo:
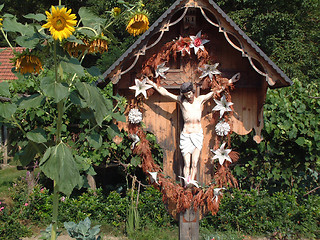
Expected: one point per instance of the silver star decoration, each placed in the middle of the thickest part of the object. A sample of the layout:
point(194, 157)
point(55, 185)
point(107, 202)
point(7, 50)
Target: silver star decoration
point(223, 106)
point(154, 177)
point(221, 154)
point(161, 69)
point(209, 70)
point(135, 139)
point(217, 193)
point(141, 87)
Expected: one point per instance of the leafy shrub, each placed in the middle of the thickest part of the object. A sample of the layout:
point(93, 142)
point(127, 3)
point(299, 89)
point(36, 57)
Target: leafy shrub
point(257, 212)
point(289, 157)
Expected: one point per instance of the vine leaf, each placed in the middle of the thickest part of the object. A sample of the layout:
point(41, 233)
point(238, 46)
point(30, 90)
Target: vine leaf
point(59, 165)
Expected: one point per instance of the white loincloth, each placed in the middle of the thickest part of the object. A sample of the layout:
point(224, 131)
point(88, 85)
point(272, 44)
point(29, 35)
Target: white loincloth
point(190, 141)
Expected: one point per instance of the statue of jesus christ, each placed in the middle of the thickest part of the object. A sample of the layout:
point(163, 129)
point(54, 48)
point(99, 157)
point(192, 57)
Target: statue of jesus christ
point(191, 137)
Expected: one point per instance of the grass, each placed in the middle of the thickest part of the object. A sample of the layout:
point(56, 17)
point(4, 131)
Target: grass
point(7, 176)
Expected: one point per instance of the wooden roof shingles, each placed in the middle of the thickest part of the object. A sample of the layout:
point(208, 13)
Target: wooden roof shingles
point(6, 54)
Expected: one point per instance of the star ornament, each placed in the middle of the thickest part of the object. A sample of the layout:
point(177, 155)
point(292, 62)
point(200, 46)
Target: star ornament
point(217, 193)
point(141, 87)
point(197, 42)
point(209, 70)
point(223, 106)
point(161, 69)
point(154, 177)
point(189, 181)
point(221, 154)
point(183, 46)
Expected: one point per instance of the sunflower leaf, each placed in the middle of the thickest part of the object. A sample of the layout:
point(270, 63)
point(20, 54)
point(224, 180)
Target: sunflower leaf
point(90, 19)
point(58, 164)
point(4, 89)
point(38, 17)
point(94, 100)
point(95, 140)
point(7, 110)
point(53, 89)
point(73, 66)
point(10, 24)
point(32, 101)
point(37, 135)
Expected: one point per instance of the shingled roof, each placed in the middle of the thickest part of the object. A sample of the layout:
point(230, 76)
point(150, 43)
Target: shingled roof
point(273, 74)
point(6, 54)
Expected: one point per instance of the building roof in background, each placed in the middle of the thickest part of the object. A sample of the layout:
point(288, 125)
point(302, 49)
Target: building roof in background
point(6, 54)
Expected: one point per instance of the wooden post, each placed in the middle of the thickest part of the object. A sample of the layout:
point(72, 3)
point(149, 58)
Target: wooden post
point(189, 225)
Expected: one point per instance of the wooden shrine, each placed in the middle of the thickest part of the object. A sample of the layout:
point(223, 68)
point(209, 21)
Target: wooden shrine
point(227, 45)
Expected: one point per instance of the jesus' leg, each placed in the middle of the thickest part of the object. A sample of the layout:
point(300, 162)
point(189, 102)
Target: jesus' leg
point(187, 163)
point(195, 159)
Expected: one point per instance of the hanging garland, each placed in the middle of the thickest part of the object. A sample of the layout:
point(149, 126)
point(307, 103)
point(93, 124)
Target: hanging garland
point(176, 197)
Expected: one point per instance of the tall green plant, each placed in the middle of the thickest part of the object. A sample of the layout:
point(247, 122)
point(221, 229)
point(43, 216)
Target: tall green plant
point(61, 87)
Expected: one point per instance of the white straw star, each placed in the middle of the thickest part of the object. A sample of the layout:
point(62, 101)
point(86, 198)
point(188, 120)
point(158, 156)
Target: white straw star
point(154, 177)
point(223, 106)
point(141, 87)
point(217, 193)
point(221, 154)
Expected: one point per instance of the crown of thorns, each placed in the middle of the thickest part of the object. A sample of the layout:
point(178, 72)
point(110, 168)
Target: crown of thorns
point(186, 87)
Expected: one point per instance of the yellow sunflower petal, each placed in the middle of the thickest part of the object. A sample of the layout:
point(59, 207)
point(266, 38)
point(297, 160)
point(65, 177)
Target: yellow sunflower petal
point(60, 23)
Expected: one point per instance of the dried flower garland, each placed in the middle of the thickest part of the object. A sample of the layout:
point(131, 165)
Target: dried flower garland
point(176, 197)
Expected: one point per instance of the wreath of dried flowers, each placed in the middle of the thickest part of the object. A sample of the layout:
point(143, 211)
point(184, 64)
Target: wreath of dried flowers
point(176, 197)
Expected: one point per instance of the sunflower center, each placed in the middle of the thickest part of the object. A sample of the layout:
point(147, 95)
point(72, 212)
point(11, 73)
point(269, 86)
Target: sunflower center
point(60, 23)
point(138, 25)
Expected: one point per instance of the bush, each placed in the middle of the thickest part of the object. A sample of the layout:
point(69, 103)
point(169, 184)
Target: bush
point(258, 212)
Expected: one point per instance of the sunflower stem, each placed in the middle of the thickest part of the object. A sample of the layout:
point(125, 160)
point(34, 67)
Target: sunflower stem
point(58, 139)
point(89, 28)
point(55, 211)
point(6, 38)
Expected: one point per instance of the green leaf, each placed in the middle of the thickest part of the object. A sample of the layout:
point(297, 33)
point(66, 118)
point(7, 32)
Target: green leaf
point(113, 130)
point(135, 161)
point(95, 140)
point(38, 135)
point(10, 24)
point(4, 89)
point(51, 88)
point(38, 17)
point(28, 41)
point(59, 165)
point(94, 71)
point(94, 99)
point(119, 117)
point(1, 6)
point(73, 66)
point(28, 153)
point(300, 141)
point(7, 110)
point(33, 101)
point(89, 19)
point(77, 100)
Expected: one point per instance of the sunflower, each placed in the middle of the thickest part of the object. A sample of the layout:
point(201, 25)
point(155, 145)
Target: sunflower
point(27, 62)
point(1, 19)
point(138, 24)
point(98, 44)
point(116, 11)
point(73, 48)
point(60, 22)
